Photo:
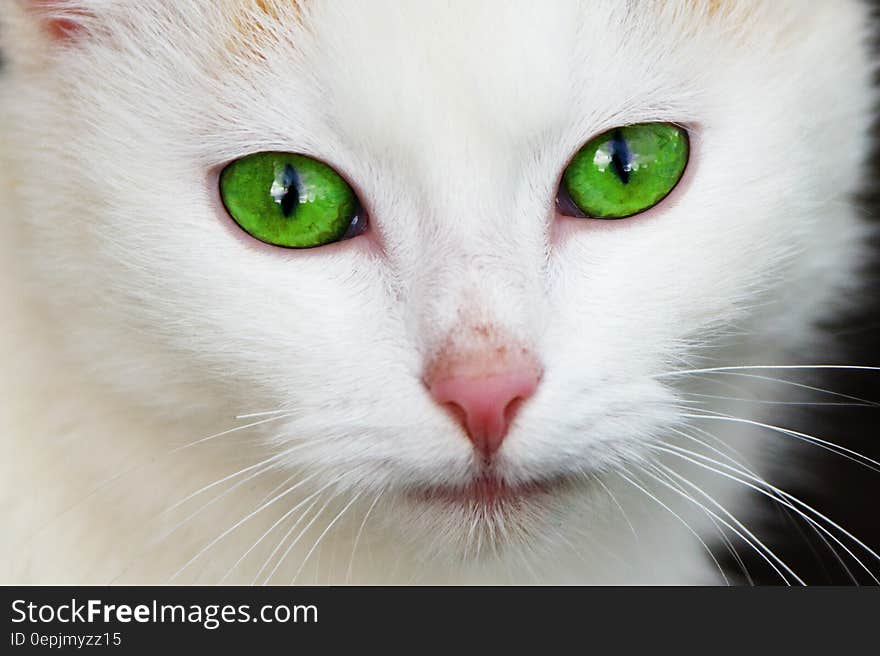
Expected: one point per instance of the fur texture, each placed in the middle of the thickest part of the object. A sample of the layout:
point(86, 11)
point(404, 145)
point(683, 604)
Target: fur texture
point(137, 321)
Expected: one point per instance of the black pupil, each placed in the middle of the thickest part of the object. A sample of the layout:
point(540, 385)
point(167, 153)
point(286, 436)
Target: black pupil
point(620, 157)
point(288, 195)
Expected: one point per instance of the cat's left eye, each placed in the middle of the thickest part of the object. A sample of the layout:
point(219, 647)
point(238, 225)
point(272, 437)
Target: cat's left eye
point(290, 200)
point(624, 171)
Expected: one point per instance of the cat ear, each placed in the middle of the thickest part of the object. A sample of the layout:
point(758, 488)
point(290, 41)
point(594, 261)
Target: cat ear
point(29, 28)
point(60, 20)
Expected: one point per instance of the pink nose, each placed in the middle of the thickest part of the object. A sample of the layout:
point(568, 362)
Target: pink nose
point(486, 398)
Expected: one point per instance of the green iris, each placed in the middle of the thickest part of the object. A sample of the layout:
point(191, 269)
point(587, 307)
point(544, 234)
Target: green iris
point(627, 170)
point(288, 200)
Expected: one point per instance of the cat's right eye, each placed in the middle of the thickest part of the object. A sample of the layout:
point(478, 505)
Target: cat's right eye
point(290, 200)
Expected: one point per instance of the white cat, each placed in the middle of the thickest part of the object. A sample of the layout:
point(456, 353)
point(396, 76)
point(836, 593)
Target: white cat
point(466, 380)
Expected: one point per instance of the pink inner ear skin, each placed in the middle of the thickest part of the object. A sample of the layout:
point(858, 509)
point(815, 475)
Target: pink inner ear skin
point(58, 18)
point(62, 28)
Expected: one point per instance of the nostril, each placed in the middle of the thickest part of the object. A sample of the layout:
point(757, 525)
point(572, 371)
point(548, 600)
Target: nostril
point(457, 411)
point(512, 409)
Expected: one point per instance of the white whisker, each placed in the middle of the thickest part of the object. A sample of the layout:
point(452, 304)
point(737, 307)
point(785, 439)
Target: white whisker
point(254, 415)
point(220, 481)
point(314, 498)
point(760, 488)
point(230, 431)
point(767, 554)
point(740, 399)
point(239, 523)
point(334, 482)
point(739, 465)
point(842, 451)
point(297, 539)
point(792, 383)
point(357, 537)
point(598, 479)
point(654, 498)
point(267, 532)
point(323, 533)
point(759, 367)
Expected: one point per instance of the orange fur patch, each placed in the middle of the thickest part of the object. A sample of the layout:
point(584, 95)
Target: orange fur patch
point(256, 23)
point(723, 9)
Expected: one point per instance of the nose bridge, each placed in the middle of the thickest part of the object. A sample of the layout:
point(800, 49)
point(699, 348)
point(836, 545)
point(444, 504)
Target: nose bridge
point(476, 303)
point(478, 281)
point(479, 263)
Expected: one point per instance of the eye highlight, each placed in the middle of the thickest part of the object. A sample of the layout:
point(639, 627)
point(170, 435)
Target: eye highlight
point(624, 171)
point(290, 200)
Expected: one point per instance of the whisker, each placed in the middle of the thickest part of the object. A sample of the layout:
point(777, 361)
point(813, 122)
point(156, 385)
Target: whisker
point(276, 457)
point(331, 483)
point(711, 448)
point(220, 481)
point(298, 538)
point(239, 523)
point(204, 507)
point(842, 451)
point(746, 468)
point(758, 545)
point(760, 488)
point(312, 497)
point(266, 533)
point(323, 533)
point(230, 431)
point(151, 460)
point(680, 519)
point(728, 544)
point(270, 529)
point(788, 510)
point(792, 383)
point(357, 537)
point(740, 464)
point(276, 488)
point(598, 479)
point(759, 367)
point(254, 415)
point(783, 403)
point(154, 543)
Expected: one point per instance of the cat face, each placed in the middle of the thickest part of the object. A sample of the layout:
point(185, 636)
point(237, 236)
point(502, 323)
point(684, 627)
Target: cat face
point(453, 125)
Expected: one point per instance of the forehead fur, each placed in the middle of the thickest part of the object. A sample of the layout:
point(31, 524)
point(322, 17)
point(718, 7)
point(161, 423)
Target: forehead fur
point(257, 19)
point(255, 23)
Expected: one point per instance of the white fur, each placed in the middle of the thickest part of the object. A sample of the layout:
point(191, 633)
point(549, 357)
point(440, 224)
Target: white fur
point(136, 321)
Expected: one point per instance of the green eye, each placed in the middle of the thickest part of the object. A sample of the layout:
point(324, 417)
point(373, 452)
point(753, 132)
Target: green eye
point(625, 171)
point(290, 200)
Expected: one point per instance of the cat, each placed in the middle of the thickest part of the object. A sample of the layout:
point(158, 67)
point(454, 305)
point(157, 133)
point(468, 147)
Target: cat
point(470, 380)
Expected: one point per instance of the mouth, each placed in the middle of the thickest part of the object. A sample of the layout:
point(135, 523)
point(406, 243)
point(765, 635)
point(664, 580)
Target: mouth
point(489, 492)
point(487, 514)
